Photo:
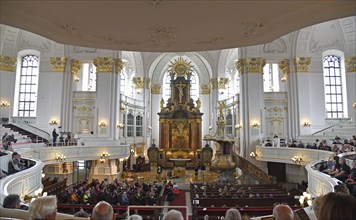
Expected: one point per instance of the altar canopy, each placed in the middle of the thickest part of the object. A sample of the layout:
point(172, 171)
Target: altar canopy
point(180, 120)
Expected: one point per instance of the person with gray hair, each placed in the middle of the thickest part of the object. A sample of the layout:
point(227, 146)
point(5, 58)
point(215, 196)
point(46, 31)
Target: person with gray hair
point(102, 211)
point(232, 214)
point(173, 215)
point(283, 212)
point(135, 217)
point(43, 208)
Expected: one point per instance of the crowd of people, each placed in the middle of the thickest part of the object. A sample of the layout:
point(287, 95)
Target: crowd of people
point(117, 193)
point(338, 168)
point(336, 145)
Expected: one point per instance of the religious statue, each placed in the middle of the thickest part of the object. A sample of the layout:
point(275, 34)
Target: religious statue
point(180, 88)
point(198, 104)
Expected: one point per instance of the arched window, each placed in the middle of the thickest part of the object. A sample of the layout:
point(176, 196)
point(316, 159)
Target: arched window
point(28, 86)
point(228, 124)
point(194, 87)
point(139, 126)
point(271, 77)
point(333, 87)
point(130, 125)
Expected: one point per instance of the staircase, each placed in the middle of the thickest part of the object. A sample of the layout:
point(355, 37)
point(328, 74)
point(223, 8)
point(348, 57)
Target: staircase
point(253, 171)
point(344, 130)
point(24, 133)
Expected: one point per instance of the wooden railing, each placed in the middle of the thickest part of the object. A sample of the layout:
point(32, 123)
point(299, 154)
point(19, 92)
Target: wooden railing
point(251, 169)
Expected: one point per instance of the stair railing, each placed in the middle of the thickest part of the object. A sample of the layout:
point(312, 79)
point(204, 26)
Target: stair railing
point(251, 169)
point(321, 132)
point(25, 126)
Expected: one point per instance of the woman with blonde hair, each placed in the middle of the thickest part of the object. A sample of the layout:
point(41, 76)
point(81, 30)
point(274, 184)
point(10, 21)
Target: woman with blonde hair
point(43, 208)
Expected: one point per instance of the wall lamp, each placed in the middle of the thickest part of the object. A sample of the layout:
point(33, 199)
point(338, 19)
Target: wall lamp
point(52, 122)
point(102, 124)
point(354, 105)
point(120, 125)
point(238, 126)
point(306, 124)
point(4, 104)
point(253, 155)
point(255, 125)
point(297, 159)
point(60, 158)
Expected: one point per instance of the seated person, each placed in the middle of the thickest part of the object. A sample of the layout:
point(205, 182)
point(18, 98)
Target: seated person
point(301, 145)
point(335, 167)
point(44, 208)
point(12, 138)
point(341, 189)
point(337, 206)
point(268, 143)
point(344, 171)
point(283, 212)
point(15, 164)
point(12, 201)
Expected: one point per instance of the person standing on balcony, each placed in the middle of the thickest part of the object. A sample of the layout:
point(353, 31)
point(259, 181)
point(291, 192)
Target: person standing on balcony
point(54, 137)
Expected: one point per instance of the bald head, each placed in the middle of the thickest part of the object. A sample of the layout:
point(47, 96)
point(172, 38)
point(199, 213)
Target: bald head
point(283, 212)
point(103, 211)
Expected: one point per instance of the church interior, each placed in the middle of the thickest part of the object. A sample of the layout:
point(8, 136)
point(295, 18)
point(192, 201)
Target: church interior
point(199, 106)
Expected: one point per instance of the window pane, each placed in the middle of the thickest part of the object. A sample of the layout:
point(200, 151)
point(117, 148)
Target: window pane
point(332, 87)
point(28, 86)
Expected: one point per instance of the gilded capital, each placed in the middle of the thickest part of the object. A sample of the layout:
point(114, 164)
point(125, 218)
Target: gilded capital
point(285, 68)
point(119, 65)
point(75, 66)
point(302, 64)
point(214, 83)
point(255, 64)
point(8, 63)
point(240, 66)
point(350, 64)
point(58, 63)
point(222, 83)
point(156, 89)
point(205, 89)
point(138, 82)
point(104, 64)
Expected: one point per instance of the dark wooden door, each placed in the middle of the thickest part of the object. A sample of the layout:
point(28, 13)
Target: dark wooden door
point(278, 170)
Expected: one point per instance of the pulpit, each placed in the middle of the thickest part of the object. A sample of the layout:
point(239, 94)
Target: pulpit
point(180, 121)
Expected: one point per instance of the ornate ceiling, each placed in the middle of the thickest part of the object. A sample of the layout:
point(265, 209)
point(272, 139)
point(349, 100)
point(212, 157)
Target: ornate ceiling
point(168, 25)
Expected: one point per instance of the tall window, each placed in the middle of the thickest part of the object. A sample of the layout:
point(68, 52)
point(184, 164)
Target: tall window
point(122, 83)
point(138, 126)
point(89, 77)
point(130, 125)
point(194, 87)
point(28, 86)
point(228, 126)
point(333, 87)
point(271, 77)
